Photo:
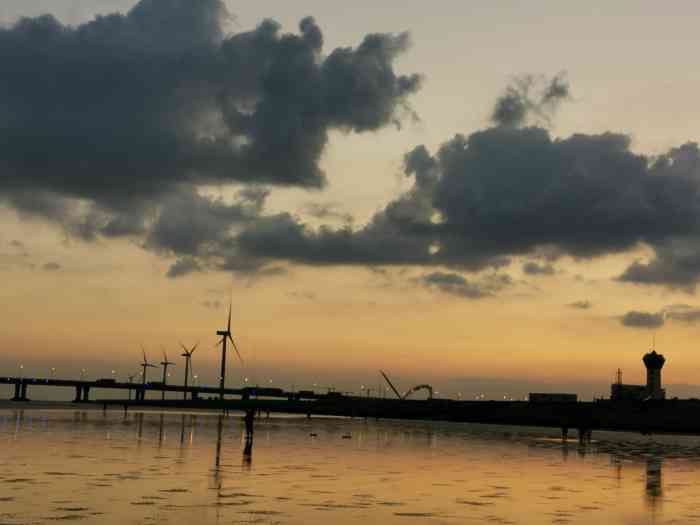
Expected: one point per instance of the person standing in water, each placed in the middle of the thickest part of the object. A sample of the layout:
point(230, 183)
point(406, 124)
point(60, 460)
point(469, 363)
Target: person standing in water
point(248, 419)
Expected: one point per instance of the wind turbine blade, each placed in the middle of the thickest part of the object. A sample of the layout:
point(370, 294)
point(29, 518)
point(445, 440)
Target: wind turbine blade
point(183, 346)
point(228, 326)
point(144, 354)
point(236, 348)
point(194, 348)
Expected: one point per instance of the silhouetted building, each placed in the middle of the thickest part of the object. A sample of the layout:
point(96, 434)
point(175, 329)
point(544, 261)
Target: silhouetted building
point(620, 392)
point(652, 390)
point(654, 363)
point(535, 397)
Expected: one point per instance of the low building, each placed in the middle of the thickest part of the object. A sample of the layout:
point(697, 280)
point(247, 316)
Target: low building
point(620, 392)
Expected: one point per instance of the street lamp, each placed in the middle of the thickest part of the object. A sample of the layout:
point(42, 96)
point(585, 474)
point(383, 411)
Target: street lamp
point(82, 374)
point(194, 379)
point(21, 371)
point(52, 372)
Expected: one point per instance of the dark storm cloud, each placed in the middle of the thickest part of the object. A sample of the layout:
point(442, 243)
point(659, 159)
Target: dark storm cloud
point(112, 128)
point(676, 264)
point(682, 313)
point(533, 268)
point(188, 223)
point(581, 305)
point(507, 191)
point(98, 121)
point(637, 319)
point(457, 285)
point(530, 97)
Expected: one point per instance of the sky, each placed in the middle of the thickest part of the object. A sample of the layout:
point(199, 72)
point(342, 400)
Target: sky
point(489, 198)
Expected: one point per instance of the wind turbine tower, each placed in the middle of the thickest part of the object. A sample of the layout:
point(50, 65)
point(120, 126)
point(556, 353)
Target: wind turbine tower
point(165, 364)
point(225, 337)
point(188, 357)
point(145, 365)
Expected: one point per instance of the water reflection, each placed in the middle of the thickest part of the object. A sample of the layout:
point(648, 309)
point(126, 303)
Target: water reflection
point(654, 482)
point(139, 426)
point(384, 472)
point(248, 453)
point(161, 420)
point(219, 432)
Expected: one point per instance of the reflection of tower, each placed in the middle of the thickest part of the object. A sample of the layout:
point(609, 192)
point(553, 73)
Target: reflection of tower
point(654, 487)
point(654, 363)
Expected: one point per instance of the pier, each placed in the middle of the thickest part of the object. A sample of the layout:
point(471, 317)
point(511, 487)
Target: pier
point(647, 416)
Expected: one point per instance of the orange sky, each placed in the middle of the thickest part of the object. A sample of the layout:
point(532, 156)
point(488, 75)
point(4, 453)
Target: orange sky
point(337, 325)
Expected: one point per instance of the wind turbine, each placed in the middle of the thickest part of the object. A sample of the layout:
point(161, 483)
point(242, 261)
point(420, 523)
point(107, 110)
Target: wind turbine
point(188, 357)
point(145, 365)
point(225, 337)
point(165, 364)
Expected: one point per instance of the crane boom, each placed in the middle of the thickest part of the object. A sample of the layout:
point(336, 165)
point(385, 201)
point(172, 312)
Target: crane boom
point(391, 384)
point(419, 387)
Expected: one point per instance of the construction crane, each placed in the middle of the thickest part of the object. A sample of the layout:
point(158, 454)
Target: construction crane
point(410, 390)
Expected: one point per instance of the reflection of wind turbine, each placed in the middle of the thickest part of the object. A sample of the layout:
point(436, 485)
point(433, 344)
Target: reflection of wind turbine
point(188, 357)
point(225, 337)
point(145, 365)
point(165, 364)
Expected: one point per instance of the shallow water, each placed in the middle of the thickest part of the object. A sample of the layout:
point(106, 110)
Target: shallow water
point(179, 468)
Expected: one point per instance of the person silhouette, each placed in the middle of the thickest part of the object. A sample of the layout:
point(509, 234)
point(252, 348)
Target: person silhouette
point(248, 419)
